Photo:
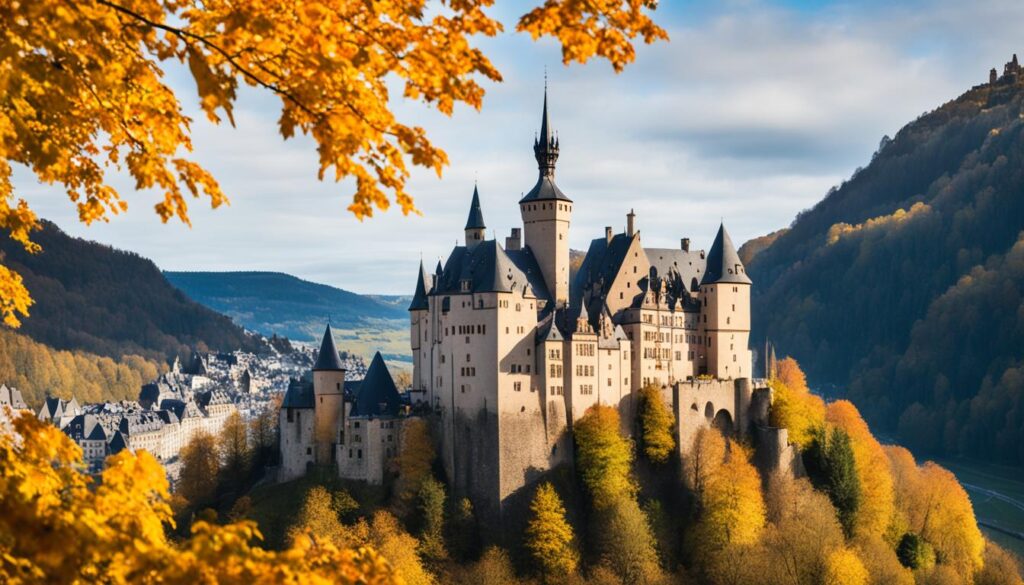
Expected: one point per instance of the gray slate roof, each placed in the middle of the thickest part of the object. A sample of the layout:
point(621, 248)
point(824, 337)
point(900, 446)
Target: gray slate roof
point(377, 394)
point(723, 264)
point(328, 358)
point(489, 268)
point(298, 395)
point(419, 298)
point(687, 266)
point(476, 216)
point(544, 190)
point(597, 272)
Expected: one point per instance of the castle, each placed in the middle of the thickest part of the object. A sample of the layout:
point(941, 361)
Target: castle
point(511, 345)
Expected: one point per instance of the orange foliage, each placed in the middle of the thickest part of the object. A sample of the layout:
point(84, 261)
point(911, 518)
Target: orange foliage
point(877, 496)
point(56, 526)
point(84, 90)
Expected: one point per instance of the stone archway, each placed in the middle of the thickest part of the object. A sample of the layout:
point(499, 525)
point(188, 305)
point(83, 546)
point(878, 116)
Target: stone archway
point(723, 422)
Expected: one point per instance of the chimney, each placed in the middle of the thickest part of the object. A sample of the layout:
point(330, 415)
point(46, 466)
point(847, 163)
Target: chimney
point(514, 242)
point(608, 234)
point(685, 243)
point(630, 220)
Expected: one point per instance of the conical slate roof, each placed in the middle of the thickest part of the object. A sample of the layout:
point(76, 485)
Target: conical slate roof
point(419, 299)
point(328, 359)
point(476, 216)
point(377, 394)
point(723, 263)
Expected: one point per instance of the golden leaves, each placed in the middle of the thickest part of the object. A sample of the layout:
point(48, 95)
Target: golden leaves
point(117, 527)
point(588, 28)
point(85, 92)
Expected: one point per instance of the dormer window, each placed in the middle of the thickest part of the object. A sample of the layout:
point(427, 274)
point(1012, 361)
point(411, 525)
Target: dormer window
point(464, 285)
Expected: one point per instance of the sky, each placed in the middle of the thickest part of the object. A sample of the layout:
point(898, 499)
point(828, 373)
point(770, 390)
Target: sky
point(748, 115)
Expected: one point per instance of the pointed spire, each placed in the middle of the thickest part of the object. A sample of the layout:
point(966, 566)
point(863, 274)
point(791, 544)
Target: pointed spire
point(377, 394)
point(328, 358)
point(723, 263)
point(419, 299)
point(476, 215)
point(545, 146)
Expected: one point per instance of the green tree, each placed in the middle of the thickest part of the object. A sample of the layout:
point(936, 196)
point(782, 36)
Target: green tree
point(603, 456)
point(656, 422)
point(200, 467)
point(463, 534)
point(549, 537)
point(431, 508)
point(915, 553)
point(831, 466)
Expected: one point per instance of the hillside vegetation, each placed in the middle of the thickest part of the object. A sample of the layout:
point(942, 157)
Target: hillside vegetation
point(272, 302)
point(905, 283)
point(93, 298)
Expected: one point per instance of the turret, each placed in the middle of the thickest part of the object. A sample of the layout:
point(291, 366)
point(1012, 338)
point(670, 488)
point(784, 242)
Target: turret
point(329, 394)
point(475, 222)
point(546, 214)
point(418, 327)
point(725, 310)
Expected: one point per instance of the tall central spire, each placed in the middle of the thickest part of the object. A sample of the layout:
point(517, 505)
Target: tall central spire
point(545, 146)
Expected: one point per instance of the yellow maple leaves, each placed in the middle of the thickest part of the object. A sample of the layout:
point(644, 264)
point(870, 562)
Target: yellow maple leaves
point(82, 89)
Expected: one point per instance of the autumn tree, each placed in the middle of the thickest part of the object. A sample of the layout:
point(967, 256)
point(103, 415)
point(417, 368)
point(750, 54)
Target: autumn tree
point(86, 93)
point(627, 544)
point(877, 503)
point(656, 422)
point(705, 456)
point(385, 534)
point(549, 537)
point(732, 509)
point(881, 562)
point(603, 456)
point(793, 407)
point(831, 466)
point(319, 519)
point(263, 430)
point(844, 567)
point(1001, 568)
point(493, 568)
point(200, 468)
point(117, 525)
point(235, 451)
point(803, 528)
point(412, 463)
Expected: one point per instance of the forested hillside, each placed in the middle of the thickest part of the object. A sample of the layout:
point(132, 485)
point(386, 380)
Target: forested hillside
point(97, 299)
point(272, 302)
point(905, 283)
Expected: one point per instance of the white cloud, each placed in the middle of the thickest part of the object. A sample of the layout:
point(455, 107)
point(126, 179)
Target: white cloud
point(751, 113)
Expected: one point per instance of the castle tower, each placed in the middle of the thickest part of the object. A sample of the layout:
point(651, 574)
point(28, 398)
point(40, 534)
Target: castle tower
point(418, 328)
point(546, 214)
point(475, 223)
point(329, 399)
point(725, 311)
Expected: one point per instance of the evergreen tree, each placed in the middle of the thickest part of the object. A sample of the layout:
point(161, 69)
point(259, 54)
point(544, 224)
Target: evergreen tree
point(235, 451)
point(431, 507)
point(549, 537)
point(831, 466)
point(627, 545)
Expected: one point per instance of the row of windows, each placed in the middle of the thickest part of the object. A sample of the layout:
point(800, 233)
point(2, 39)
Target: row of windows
point(556, 370)
point(555, 354)
point(561, 206)
point(585, 349)
point(586, 389)
point(470, 329)
point(519, 369)
point(468, 372)
point(582, 370)
point(557, 391)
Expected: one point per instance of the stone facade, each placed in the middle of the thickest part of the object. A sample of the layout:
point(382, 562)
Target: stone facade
point(509, 351)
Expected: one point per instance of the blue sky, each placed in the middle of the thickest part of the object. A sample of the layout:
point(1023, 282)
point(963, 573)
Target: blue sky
point(749, 114)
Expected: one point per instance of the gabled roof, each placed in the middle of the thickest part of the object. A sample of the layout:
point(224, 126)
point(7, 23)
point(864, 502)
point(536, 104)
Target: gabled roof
point(475, 221)
point(419, 298)
point(598, 271)
point(548, 330)
point(377, 394)
point(689, 265)
point(723, 263)
point(299, 395)
point(11, 396)
point(487, 267)
point(328, 358)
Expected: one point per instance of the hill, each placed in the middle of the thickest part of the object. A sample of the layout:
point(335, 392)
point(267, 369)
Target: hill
point(272, 302)
point(905, 283)
point(93, 298)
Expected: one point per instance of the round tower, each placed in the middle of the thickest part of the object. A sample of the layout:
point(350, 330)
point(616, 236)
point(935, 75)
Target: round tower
point(329, 400)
